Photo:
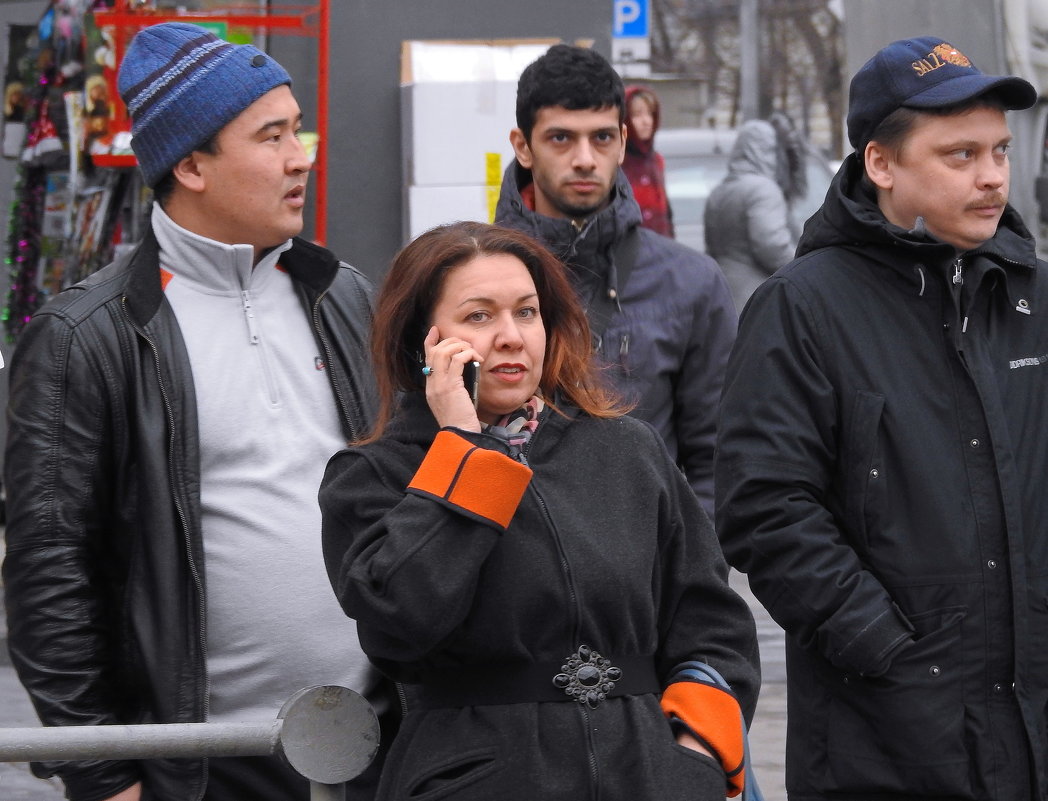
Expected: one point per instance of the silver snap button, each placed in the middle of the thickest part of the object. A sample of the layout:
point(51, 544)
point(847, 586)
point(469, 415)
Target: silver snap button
point(974, 443)
point(934, 670)
point(874, 473)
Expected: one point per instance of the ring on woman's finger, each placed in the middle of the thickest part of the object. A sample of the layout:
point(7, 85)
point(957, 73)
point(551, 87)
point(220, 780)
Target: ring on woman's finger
point(427, 371)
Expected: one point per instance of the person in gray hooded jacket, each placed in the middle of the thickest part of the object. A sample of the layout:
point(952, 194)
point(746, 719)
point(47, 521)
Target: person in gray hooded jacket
point(670, 325)
point(747, 218)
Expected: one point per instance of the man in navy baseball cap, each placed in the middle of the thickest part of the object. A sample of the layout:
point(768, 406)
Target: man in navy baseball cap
point(882, 447)
point(923, 73)
point(910, 101)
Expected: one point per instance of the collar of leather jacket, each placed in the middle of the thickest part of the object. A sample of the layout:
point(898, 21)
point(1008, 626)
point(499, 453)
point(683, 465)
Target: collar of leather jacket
point(312, 266)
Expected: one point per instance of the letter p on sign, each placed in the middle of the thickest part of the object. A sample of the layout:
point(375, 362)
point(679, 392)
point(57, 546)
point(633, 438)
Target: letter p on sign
point(631, 18)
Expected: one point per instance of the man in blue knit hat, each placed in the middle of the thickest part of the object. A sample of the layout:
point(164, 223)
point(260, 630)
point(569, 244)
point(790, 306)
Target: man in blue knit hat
point(882, 452)
point(170, 419)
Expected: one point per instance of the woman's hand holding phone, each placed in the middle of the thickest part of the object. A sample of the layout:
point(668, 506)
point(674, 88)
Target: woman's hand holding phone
point(446, 391)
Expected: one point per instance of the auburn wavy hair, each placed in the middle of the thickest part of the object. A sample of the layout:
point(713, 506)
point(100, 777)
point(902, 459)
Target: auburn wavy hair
point(413, 285)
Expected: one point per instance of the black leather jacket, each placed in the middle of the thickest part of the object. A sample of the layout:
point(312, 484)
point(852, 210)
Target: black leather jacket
point(103, 578)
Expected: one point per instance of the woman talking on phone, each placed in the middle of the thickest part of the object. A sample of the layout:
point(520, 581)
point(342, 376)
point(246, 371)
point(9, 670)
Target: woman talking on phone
point(531, 567)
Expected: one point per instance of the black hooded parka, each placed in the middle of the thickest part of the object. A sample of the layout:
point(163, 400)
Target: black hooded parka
point(881, 470)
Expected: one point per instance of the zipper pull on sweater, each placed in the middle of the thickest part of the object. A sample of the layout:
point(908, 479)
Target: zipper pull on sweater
point(249, 315)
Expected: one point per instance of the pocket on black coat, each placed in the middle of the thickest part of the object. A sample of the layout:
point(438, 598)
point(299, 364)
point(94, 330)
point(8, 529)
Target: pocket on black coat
point(903, 732)
point(458, 776)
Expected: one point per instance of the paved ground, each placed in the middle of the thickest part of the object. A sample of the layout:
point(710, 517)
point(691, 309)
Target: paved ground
point(767, 737)
point(768, 732)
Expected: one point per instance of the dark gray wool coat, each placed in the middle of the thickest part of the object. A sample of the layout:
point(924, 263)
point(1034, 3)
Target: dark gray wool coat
point(608, 547)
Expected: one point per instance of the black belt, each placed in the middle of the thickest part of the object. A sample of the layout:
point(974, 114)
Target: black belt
point(585, 677)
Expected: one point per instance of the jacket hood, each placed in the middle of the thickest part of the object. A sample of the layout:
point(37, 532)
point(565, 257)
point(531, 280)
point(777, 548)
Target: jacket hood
point(634, 142)
point(586, 250)
point(755, 150)
point(569, 243)
point(850, 217)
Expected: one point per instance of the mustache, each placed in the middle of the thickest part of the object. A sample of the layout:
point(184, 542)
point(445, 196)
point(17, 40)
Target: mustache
point(992, 199)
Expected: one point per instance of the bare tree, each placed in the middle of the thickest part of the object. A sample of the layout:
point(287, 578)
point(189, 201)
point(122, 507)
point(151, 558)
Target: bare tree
point(800, 43)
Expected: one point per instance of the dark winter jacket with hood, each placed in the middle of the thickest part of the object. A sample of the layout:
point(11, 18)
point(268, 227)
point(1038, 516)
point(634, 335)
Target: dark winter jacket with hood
point(746, 220)
point(646, 171)
point(474, 575)
point(667, 345)
point(881, 478)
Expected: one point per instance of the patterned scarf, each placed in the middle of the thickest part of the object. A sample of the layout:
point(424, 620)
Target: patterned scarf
point(517, 427)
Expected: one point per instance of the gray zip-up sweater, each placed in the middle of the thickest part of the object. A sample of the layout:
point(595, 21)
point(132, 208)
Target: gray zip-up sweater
point(268, 424)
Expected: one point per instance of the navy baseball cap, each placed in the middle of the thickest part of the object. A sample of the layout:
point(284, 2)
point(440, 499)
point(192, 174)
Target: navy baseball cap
point(922, 73)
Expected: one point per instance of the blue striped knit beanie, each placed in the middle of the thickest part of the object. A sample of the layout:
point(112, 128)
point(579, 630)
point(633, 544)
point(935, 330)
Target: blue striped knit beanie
point(182, 85)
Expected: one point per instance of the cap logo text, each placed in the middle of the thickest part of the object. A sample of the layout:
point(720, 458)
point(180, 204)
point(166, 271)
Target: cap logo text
point(942, 55)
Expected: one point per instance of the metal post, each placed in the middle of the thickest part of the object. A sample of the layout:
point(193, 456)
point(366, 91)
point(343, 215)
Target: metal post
point(328, 734)
point(327, 792)
point(749, 54)
point(147, 741)
point(320, 176)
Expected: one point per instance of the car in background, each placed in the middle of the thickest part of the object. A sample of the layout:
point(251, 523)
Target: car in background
point(696, 161)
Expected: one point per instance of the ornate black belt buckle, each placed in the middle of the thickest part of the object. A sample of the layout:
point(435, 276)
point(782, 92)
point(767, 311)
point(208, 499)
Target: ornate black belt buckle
point(587, 676)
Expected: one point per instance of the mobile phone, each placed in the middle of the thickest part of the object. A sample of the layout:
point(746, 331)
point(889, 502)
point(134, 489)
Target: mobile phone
point(471, 378)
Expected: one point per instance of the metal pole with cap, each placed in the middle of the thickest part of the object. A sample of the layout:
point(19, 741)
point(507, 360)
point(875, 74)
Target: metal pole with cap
point(328, 734)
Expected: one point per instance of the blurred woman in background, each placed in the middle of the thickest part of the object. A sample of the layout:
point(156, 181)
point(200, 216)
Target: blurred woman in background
point(644, 167)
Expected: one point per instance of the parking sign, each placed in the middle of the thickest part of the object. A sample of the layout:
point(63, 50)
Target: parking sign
point(631, 18)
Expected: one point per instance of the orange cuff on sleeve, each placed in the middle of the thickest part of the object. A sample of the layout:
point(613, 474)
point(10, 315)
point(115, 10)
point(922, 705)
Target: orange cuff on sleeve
point(487, 483)
point(714, 715)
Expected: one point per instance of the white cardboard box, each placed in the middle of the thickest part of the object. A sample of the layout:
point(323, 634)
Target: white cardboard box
point(450, 128)
point(458, 105)
point(429, 206)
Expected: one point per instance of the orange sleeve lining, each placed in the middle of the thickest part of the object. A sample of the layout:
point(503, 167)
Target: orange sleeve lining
point(714, 716)
point(485, 482)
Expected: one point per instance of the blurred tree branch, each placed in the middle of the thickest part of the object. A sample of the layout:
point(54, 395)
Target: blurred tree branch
point(801, 58)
